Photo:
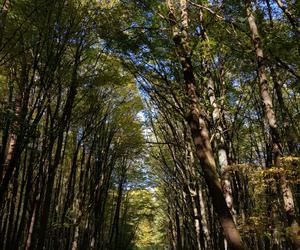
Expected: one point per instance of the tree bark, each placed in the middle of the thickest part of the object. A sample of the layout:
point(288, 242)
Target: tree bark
point(64, 120)
point(3, 14)
point(114, 237)
point(288, 199)
point(216, 115)
point(289, 15)
point(198, 128)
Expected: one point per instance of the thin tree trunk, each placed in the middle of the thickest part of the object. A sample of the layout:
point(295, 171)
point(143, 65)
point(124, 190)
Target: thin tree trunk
point(204, 218)
point(32, 223)
point(222, 154)
point(216, 115)
point(3, 14)
point(16, 141)
point(114, 237)
point(289, 130)
point(289, 15)
point(288, 199)
point(64, 121)
point(199, 130)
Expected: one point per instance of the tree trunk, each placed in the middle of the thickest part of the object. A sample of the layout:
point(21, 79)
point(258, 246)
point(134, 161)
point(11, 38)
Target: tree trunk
point(3, 14)
point(288, 200)
point(114, 237)
point(219, 134)
point(289, 15)
point(199, 130)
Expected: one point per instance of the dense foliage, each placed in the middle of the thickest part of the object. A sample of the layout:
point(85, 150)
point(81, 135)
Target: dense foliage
point(149, 124)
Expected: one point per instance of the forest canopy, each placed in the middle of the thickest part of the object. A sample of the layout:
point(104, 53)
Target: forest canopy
point(149, 125)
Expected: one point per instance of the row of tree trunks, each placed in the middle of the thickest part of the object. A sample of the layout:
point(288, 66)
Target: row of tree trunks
point(217, 120)
point(198, 127)
point(288, 200)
